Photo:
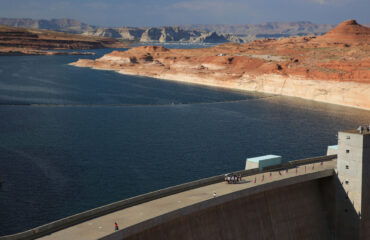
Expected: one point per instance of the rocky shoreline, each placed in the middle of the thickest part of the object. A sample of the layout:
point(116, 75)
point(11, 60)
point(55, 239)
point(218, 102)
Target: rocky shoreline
point(357, 94)
point(334, 68)
point(28, 51)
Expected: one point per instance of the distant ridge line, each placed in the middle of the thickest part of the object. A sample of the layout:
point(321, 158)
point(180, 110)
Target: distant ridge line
point(184, 33)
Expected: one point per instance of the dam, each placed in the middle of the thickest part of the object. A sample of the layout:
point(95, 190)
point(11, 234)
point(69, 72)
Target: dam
point(323, 197)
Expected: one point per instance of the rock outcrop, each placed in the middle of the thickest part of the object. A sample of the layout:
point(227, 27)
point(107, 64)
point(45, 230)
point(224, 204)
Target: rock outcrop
point(307, 67)
point(16, 41)
point(348, 31)
point(126, 33)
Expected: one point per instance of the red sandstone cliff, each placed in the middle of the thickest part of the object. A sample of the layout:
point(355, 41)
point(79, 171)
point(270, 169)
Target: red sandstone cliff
point(348, 31)
point(333, 68)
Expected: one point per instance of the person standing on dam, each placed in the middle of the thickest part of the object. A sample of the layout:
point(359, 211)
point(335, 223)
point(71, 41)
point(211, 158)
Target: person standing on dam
point(115, 226)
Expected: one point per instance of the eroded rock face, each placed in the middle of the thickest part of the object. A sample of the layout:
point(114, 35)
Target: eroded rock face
point(164, 34)
point(31, 39)
point(308, 67)
point(176, 34)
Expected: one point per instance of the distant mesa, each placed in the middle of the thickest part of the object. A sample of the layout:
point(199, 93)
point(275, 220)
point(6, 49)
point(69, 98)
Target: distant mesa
point(198, 33)
point(348, 30)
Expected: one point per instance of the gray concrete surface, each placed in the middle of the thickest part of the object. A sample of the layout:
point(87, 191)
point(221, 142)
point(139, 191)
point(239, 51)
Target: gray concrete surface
point(353, 190)
point(149, 214)
point(292, 212)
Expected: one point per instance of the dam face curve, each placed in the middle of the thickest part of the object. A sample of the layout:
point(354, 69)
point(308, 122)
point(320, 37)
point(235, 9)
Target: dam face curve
point(175, 207)
point(299, 211)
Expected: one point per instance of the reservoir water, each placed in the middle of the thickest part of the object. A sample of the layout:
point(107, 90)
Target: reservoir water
point(72, 139)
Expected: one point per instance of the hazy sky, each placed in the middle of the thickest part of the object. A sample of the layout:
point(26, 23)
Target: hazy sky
point(174, 12)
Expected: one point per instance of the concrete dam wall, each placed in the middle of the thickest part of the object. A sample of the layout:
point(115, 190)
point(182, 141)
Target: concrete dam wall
point(140, 213)
point(300, 211)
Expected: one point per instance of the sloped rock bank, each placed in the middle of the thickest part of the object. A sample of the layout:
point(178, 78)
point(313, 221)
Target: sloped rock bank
point(334, 70)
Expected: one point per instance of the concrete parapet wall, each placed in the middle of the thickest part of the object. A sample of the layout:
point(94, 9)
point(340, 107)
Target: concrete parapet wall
point(295, 208)
point(100, 211)
point(295, 163)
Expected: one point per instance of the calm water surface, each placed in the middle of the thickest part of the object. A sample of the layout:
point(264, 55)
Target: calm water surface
point(75, 138)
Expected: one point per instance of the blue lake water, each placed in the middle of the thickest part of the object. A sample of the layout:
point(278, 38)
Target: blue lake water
point(74, 138)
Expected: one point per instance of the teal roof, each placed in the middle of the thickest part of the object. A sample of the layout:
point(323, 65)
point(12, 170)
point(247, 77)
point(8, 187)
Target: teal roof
point(334, 147)
point(261, 158)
